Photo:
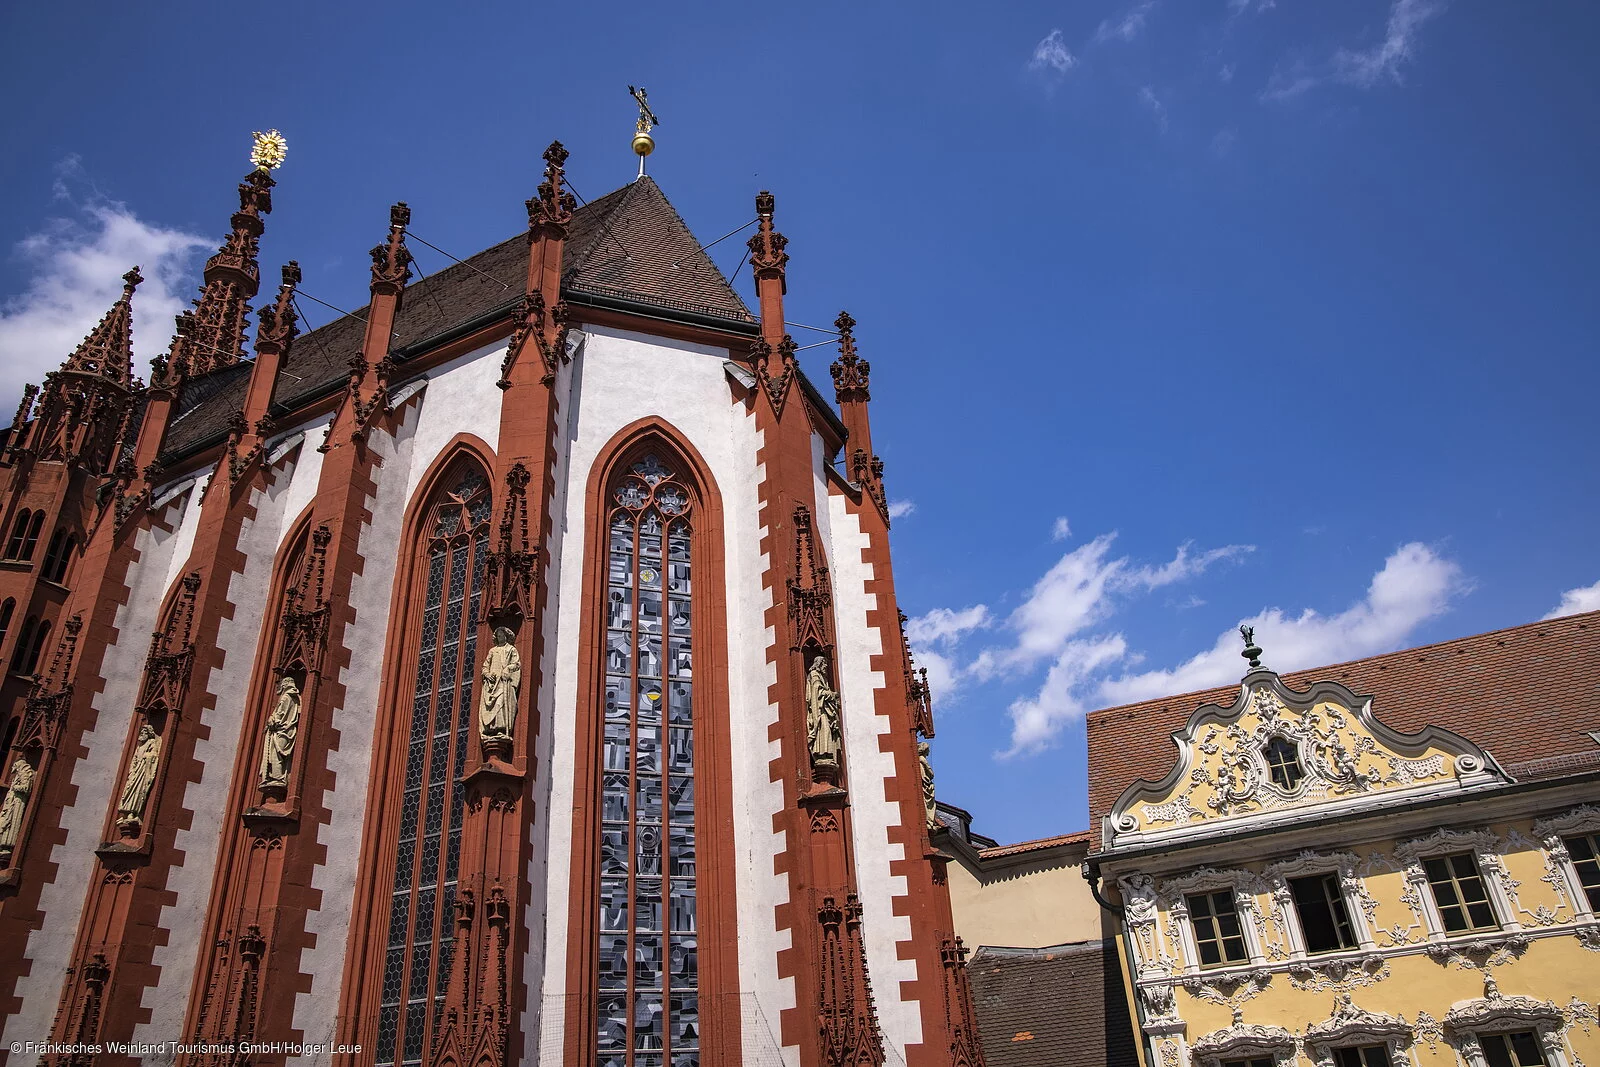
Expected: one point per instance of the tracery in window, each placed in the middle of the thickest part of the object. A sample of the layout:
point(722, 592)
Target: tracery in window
point(421, 930)
point(648, 1003)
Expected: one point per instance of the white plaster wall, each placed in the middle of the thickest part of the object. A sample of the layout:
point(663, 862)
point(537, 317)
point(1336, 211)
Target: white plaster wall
point(188, 524)
point(619, 378)
point(871, 813)
point(49, 949)
point(192, 876)
point(307, 471)
point(316, 1010)
point(461, 397)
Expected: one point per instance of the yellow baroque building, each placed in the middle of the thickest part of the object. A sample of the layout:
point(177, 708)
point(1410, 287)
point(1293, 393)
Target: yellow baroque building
point(1391, 861)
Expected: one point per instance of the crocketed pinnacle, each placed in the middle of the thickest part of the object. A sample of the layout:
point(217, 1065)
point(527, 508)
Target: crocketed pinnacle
point(851, 374)
point(107, 352)
point(215, 334)
point(551, 211)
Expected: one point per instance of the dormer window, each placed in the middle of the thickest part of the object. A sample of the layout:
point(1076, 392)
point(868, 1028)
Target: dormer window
point(1283, 763)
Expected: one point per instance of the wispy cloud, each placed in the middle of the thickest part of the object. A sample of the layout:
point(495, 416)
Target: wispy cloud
point(1382, 62)
point(1583, 598)
point(1364, 68)
point(1148, 97)
point(941, 626)
point(1052, 54)
point(1239, 7)
point(77, 260)
point(1061, 529)
point(899, 509)
point(1224, 140)
point(1126, 28)
point(1225, 72)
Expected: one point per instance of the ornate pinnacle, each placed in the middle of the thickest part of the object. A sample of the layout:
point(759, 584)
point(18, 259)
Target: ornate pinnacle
point(107, 351)
point(277, 324)
point(391, 262)
point(1251, 651)
point(268, 149)
point(767, 255)
point(851, 374)
point(130, 282)
point(552, 209)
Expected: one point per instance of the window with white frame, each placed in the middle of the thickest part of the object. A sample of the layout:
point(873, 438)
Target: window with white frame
point(1508, 1031)
point(1322, 904)
point(1362, 1056)
point(1324, 916)
point(1458, 883)
point(1218, 935)
point(1572, 844)
point(1518, 1048)
point(1216, 917)
point(1585, 853)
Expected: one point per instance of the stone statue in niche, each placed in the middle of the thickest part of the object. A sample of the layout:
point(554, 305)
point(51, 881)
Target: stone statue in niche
point(929, 806)
point(20, 787)
point(497, 700)
point(283, 725)
point(822, 716)
point(141, 777)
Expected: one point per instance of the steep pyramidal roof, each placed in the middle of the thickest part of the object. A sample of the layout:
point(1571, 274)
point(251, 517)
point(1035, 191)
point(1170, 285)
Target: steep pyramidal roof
point(629, 245)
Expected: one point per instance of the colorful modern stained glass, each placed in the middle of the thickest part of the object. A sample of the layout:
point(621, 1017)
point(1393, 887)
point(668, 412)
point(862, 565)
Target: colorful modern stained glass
point(421, 930)
point(648, 1003)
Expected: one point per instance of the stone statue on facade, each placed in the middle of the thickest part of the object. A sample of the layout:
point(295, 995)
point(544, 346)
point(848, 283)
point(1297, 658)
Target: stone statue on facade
point(497, 700)
point(141, 778)
point(930, 807)
point(283, 725)
point(20, 787)
point(822, 716)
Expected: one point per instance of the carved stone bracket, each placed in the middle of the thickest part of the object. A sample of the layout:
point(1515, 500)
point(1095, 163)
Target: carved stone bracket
point(777, 384)
point(546, 328)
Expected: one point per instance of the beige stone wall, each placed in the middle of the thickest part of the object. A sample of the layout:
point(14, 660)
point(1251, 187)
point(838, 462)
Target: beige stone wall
point(1041, 902)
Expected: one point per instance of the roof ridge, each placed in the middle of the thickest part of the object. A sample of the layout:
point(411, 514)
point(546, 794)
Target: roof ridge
point(1329, 667)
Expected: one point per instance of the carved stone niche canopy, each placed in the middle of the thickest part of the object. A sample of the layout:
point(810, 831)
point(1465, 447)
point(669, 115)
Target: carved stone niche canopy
point(1350, 1025)
point(1244, 1040)
point(1345, 761)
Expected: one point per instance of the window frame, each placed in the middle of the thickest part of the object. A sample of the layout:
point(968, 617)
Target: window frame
point(1583, 820)
point(1358, 902)
point(1485, 849)
point(1457, 880)
point(1468, 1023)
point(1245, 885)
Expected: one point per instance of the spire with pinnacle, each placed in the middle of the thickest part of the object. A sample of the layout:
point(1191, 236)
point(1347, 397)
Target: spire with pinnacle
point(215, 333)
point(82, 407)
point(550, 212)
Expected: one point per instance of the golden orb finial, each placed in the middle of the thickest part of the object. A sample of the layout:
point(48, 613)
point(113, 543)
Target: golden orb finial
point(268, 150)
point(643, 143)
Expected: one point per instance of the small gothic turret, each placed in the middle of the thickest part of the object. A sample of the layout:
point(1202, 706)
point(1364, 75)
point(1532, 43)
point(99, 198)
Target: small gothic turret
point(851, 381)
point(82, 409)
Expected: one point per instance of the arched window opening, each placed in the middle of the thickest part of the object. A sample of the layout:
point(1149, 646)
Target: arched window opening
point(6, 611)
point(450, 569)
point(64, 563)
point(647, 1003)
point(36, 648)
point(33, 534)
point(19, 534)
point(19, 654)
point(55, 557)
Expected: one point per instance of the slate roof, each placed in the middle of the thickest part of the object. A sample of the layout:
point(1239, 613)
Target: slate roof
point(629, 245)
point(1528, 694)
point(1052, 1007)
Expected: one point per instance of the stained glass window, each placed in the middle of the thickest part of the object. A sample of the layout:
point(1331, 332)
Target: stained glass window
point(421, 927)
point(648, 1002)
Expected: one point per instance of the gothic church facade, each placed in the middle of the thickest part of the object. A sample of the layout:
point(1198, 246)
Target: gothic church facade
point(508, 673)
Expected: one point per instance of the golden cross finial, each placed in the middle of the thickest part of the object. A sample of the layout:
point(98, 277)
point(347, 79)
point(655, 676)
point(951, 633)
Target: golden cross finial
point(643, 143)
point(268, 150)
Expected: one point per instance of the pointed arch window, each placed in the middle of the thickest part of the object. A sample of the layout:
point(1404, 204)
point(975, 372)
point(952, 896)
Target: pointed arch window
point(648, 994)
point(420, 936)
point(6, 611)
point(19, 535)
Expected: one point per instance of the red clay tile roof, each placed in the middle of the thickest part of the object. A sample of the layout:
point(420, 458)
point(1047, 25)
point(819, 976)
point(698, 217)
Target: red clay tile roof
point(1080, 837)
point(1052, 1007)
point(1528, 694)
point(630, 244)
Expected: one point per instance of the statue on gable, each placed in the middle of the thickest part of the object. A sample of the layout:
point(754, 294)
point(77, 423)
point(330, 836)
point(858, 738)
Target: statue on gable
point(141, 778)
point(283, 726)
point(497, 700)
point(822, 716)
point(19, 788)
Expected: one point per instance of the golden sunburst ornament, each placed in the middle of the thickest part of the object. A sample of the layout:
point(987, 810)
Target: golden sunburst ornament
point(268, 150)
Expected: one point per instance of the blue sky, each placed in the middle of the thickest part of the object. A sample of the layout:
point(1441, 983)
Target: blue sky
point(1180, 314)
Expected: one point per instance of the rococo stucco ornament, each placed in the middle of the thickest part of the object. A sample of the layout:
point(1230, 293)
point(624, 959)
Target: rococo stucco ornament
point(140, 779)
point(283, 726)
point(18, 789)
point(497, 702)
point(822, 716)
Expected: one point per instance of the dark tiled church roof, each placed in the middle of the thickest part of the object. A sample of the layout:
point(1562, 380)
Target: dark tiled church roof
point(1052, 1007)
point(1529, 694)
point(629, 245)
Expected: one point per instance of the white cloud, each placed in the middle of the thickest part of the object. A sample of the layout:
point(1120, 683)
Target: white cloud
point(942, 626)
point(1076, 593)
point(1147, 96)
point(1061, 529)
point(1051, 54)
point(77, 260)
point(1289, 82)
point(1583, 598)
point(1225, 72)
point(1129, 26)
point(1036, 720)
point(1415, 585)
point(899, 509)
point(1239, 7)
point(1368, 67)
